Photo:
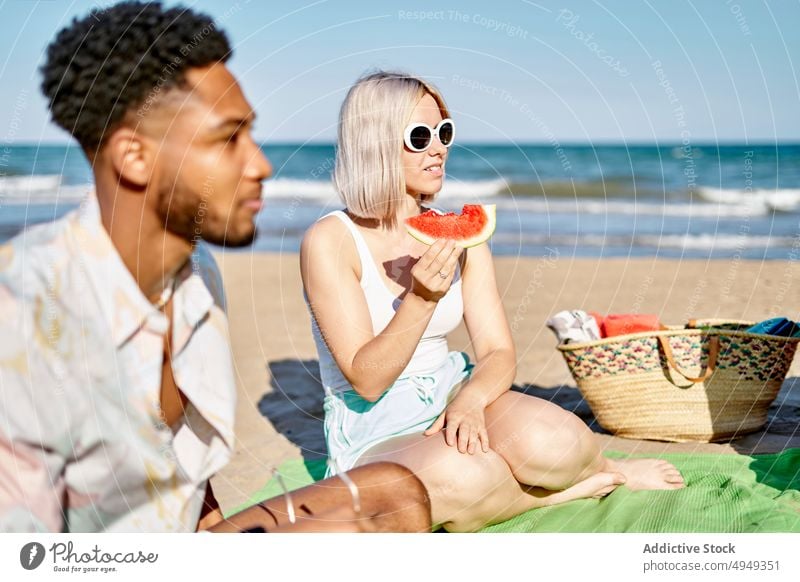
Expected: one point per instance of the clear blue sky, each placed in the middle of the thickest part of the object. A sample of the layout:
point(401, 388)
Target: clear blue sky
point(573, 71)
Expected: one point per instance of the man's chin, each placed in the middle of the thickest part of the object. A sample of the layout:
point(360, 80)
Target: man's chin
point(230, 240)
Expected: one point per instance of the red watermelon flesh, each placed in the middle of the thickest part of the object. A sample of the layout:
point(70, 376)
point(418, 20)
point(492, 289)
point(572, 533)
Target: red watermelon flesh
point(475, 225)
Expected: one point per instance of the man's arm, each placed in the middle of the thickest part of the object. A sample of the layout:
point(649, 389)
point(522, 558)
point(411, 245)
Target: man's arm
point(392, 499)
point(30, 489)
point(32, 423)
point(211, 514)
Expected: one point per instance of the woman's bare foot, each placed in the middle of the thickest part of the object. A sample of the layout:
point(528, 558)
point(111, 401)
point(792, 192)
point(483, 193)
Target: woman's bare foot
point(597, 486)
point(643, 474)
point(602, 484)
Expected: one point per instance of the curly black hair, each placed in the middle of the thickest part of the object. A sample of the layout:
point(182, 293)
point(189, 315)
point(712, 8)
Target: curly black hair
point(121, 58)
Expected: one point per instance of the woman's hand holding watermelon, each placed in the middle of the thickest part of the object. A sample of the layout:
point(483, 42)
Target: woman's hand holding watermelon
point(433, 274)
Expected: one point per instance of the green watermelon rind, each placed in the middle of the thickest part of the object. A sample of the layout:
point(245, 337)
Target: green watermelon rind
point(485, 234)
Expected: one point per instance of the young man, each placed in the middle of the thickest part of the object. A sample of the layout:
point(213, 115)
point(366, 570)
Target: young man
point(117, 390)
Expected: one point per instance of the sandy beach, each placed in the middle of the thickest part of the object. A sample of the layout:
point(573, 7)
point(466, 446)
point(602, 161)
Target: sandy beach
point(279, 412)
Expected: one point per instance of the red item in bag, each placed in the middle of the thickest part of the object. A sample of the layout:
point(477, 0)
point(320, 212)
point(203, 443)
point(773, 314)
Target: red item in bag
point(625, 323)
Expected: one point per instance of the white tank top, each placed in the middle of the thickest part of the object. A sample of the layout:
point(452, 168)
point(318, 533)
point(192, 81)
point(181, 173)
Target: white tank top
point(432, 350)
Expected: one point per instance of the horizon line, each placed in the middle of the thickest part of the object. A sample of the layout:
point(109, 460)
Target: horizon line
point(507, 143)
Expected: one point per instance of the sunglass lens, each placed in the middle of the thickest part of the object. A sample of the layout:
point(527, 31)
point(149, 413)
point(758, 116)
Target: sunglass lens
point(446, 133)
point(420, 137)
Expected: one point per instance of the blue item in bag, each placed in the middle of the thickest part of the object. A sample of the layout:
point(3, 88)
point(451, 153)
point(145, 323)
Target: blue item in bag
point(779, 326)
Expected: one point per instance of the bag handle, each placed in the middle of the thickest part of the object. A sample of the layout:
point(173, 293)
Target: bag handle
point(713, 352)
point(695, 323)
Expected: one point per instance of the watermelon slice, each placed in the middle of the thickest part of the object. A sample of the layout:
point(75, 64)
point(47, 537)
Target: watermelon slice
point(472, 227)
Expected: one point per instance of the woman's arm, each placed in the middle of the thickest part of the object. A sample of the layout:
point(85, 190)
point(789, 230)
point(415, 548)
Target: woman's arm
point(488, 329)
point(463, 420)
point(370, 363)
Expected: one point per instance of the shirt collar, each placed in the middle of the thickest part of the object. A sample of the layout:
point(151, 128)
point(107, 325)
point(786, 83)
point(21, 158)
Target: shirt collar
point(192, 302)
point(121, 302)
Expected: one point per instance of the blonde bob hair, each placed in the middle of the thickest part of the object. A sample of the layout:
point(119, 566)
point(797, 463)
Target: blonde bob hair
point(368, 174)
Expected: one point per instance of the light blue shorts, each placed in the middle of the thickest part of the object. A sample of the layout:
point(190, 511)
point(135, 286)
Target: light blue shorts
point(410, 405)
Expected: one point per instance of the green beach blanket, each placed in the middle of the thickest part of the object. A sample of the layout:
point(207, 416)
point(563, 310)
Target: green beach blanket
point(724, 493)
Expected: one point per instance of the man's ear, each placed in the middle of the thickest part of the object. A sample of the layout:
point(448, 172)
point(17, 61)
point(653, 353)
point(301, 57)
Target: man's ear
point(131, 156)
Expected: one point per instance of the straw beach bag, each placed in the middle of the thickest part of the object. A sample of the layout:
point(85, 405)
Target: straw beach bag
point(680, 384)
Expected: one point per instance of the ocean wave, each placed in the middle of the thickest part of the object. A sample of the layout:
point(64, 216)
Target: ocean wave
point(599, 189)
point(286, 188)
point(728, 242)
point(623, 207)
point(323, 191)
point(717, 203)
point(757, 199)
point(49, 189)
point(24, 185)
point(39, 189)
point(745, 202)
point(718, 242)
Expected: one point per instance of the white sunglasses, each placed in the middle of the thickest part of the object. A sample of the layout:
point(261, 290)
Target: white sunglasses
point(418, 137)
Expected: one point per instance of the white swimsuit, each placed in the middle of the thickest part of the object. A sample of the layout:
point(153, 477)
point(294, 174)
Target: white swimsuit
point(418, 396)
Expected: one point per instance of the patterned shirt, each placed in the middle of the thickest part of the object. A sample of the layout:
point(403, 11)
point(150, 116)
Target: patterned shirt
point(83, 446)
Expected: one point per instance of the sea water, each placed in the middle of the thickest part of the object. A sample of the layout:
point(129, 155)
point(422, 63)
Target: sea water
point(667, 200)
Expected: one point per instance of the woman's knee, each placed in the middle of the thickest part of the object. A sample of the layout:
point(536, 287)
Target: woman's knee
point(551, 449)
point(570, 450)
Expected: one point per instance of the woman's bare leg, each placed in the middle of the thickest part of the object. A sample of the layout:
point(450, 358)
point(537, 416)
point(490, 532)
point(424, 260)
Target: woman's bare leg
point(468, 492)
point(550, 447)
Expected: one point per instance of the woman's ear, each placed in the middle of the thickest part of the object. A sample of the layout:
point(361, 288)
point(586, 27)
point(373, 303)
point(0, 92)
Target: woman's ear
point(130, 156)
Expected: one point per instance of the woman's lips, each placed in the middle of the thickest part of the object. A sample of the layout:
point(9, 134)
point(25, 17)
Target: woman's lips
point(435, 171)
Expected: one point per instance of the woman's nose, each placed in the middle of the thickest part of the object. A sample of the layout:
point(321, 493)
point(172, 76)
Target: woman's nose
point(437, 147)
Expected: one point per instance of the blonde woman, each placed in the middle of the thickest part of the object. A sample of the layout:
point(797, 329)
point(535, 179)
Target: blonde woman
point(382, 304)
